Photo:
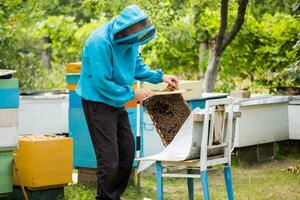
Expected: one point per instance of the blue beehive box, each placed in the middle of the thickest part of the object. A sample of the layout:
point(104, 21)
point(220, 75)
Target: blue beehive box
point(9, 93)
point(84, 155)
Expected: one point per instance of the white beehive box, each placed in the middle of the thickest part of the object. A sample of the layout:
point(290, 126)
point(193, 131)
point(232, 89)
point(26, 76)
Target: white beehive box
point(264, 120)
point(8, 137)
point(8, 128)
point(9, 117)
point(294, 118)
point(193, 89)
point(43, 114)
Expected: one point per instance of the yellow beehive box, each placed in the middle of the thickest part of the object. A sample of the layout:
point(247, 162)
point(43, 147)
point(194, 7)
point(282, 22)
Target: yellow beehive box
point(74, 67)
point(43, 161)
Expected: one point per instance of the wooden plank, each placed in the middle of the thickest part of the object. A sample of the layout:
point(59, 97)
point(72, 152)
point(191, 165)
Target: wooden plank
point(168, 92)
point(181, 175)
point(87, 175)
point(193, 88)
point(241, 94)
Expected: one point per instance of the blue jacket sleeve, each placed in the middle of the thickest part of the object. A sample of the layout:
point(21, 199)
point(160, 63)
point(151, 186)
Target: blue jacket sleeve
point(144, 73)
point(101, 70)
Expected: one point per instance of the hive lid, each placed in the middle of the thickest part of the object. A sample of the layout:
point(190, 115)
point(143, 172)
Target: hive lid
point(40, 137)
point(6, 73)
point(267, 99)
point(295, 100)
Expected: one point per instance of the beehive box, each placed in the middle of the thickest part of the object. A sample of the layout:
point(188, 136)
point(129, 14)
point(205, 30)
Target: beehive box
point(73, 68)
point(6, 183)
point(264, 120)
point(9, 103)
point(43, 161)
point(43, 113)
point(8, 138)
point(84, 155)
point(9, 93)
point(9, 117)
point(72, 78)
point(8, 128)
point(41, 194)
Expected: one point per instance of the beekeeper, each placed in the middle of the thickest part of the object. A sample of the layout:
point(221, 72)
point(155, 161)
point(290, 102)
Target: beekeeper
point(110, 63)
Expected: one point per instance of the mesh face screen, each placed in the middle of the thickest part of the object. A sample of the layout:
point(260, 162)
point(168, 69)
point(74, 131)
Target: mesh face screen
point(144, 23)
point(142, 37)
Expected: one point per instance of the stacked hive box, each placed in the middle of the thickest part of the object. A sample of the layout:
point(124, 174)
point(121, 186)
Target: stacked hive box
point(84, 156)
point(9, 103)
point(43, 165)
point(43, 161)
point(6, 185)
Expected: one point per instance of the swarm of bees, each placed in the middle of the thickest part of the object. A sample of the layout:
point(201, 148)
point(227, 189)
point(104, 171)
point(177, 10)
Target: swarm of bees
point(168, 113)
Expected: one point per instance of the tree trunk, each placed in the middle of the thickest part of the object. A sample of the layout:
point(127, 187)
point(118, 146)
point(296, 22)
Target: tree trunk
point(202, 51)
point(46, 52)
point(211, 71)
point(221, 41)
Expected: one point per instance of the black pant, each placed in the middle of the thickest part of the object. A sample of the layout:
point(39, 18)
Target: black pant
point(113, 143)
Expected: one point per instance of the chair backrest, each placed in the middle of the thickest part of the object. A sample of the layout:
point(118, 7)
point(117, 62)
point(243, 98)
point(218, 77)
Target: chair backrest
point(217, 129)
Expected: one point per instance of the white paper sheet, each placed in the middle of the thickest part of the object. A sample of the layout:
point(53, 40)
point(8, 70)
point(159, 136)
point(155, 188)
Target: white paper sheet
point(185, 145)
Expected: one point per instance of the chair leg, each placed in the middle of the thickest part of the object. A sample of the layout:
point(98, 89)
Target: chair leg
point(204, 182)
point(228, 181)
point(159, 180)
point(190, 183)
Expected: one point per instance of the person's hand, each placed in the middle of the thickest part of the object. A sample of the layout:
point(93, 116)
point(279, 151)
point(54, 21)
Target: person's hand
point(141, 94)
point(170, 79)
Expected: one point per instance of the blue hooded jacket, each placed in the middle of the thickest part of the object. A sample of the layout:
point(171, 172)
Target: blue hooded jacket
point(109, 68)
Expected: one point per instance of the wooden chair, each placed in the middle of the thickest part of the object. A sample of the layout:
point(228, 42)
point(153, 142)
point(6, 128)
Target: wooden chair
point(216, 144)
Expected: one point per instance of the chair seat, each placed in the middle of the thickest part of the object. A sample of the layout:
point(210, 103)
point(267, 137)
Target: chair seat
point(211, 160)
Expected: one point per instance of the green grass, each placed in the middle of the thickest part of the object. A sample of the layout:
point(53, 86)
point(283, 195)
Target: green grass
point(258, 182)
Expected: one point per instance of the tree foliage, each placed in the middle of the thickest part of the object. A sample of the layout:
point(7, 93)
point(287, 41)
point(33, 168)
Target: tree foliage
point(264, 54)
